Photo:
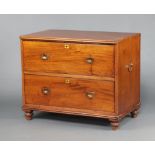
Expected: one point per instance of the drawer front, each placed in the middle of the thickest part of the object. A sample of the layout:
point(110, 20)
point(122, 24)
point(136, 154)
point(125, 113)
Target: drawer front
point(69, 93)
point(82, 59)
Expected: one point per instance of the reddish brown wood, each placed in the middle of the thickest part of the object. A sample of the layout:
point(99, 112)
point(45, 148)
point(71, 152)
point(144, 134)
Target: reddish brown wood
point(71, 111)
point(28, 114)
point(135, 74)
point(77, 36)
point(134, 113)
point(72, 60)
point(71, 76)
point(128, 82)
point(87, 73)
point(114, 123)
point(73, 94)
point(123, 76)
point(22, 70)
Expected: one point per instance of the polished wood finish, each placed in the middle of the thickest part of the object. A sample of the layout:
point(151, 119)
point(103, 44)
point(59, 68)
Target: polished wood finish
point(28, 114)
point(71, 76)
point(81, 73)
point(114, 123)
point(134, 113)
point(128, 83)
point(78, 36)
point(72, 60)
point(72, 94)
point(135, 74)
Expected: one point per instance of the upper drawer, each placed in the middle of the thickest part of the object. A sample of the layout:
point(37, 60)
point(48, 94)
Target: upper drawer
point(84, 59)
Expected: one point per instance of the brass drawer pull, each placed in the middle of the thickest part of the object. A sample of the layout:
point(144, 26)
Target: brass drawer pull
point(45, 91)
point(66, 46)
point(44, 57)
point(90, 95)
point(90, 60)
point(67, 81)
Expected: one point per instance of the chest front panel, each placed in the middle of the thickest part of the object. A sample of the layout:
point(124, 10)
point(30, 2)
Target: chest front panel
point(70, 92)
point(70, 58)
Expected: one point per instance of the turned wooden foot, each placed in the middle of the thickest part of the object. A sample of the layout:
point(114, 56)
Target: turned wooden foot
point(114, 123)
point(28, 114)
point(134, 113)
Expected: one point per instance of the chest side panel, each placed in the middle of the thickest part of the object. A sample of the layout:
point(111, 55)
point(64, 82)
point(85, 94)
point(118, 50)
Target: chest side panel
point(123, 78)
point(135, 74)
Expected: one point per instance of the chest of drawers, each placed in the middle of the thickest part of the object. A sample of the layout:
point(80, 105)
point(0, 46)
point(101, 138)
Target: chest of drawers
point(83, 73)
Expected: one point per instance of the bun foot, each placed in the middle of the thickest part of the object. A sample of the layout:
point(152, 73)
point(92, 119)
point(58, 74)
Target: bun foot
point(114, 123)
point(134, 113)
point(28, 114)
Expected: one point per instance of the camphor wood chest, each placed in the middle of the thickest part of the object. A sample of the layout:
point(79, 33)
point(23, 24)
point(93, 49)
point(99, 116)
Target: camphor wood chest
point(84, 73)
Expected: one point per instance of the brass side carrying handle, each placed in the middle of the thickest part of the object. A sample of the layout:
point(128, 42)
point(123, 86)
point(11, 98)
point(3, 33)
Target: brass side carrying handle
point(90, 95)
point(44, 56)
point(130, 67)
point(45, 90)
point(90, 60)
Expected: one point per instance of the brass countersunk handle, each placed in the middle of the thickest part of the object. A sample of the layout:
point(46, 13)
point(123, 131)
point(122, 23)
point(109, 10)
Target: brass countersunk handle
point(130, 67)
point(45, 90)
point(44, 56)
point(90, 60)
point(66, 46)
point(67, 81)
point(90, 95)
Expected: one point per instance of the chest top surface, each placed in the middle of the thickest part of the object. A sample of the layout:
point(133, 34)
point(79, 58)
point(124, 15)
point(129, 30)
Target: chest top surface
point(78, 36)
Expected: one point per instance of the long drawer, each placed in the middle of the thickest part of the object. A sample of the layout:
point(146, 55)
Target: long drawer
point(80, 59)
point(69, 93)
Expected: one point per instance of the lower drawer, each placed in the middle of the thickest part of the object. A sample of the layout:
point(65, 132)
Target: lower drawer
point(69, 93)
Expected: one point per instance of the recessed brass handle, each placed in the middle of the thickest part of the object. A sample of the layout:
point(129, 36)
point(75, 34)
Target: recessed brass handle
point(66, 46)
point(90, 95)
point(67, 81)
point(44, 57)
point(45, 90)
point(90, 60)
point(130, 67)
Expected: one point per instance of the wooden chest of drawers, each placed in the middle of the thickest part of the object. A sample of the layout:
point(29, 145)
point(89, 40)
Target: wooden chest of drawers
point(84, 73)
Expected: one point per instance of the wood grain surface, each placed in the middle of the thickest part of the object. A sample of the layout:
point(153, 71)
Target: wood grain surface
point(71, 95)
point(128, 82)
point(81, 73)
point(78, 36)
point(135, 75)
point(69, 61)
